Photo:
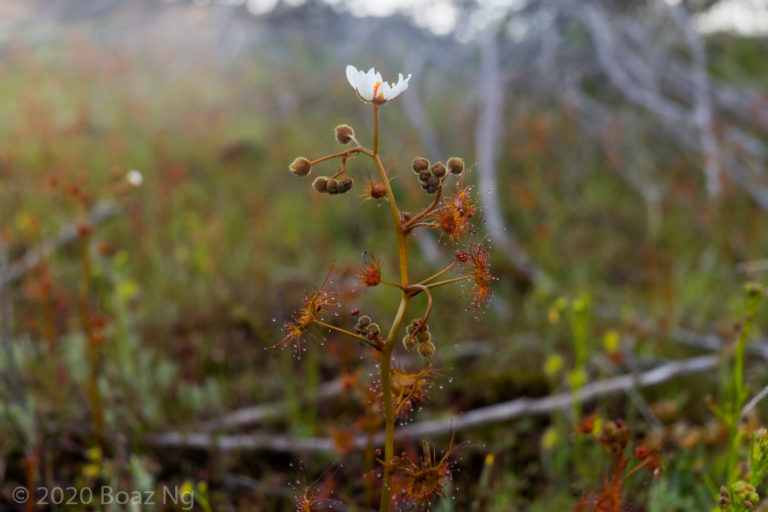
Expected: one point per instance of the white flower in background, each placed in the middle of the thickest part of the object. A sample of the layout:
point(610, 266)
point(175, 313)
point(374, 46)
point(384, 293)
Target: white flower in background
point(372, 88)
point(134, 178)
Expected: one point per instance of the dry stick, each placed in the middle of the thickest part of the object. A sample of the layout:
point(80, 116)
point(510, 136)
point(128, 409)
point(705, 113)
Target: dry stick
point(487, 142)
point(99, 213)
point(497, 413)
point(265, 412)
point(753, 403)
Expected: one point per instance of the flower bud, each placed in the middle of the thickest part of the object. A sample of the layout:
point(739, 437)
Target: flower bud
point(438, 169)
point(419, 164)
point(300, 166)
point(456, 165)
point(320, 184)
point(374, 328)
point(344, 133)
point(753, 289)
point(332, 186)
point(345, 185)
point(430, 189)
point(424, 175)
point(427, 350)
point(364, 321)
point(409, 342)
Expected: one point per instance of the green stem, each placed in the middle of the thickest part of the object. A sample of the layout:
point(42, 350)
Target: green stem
point(754, 297)
point(91, 342)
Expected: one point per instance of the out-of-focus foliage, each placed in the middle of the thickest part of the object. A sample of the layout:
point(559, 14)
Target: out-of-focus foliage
point(220, 242)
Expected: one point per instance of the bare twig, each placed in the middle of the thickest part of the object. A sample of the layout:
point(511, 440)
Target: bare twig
point(99, 213)
point(523, 407)
point(488, 142)
point(263, 412)
point(753, 403)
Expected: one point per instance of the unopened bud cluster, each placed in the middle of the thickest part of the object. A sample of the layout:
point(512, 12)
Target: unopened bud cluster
point(365, 327)
point(301, 166)
point(324, 184)
point(418, 337)
point(743, 493)
point(615, 436)
point(430, 176)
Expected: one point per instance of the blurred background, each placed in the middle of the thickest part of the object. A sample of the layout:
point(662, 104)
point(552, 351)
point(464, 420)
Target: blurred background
point(618, 149)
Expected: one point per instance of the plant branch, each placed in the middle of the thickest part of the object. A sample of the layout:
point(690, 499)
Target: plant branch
point(438, 274)
point(412, 222)
point(351, 334)
point(448, 281)
point(342, 154)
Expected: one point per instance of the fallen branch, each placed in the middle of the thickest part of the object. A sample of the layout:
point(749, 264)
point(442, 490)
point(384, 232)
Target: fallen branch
point(100, 212)
point(537, 406)
point(521, 407)
point(263, 412)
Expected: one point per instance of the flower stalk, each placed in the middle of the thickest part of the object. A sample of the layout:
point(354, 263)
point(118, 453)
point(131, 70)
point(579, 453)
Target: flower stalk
point(393, 399)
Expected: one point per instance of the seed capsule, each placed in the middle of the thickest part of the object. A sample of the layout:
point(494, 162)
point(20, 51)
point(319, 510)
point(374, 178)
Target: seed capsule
point(332, 186)
point(424, 175)
point(409, 342)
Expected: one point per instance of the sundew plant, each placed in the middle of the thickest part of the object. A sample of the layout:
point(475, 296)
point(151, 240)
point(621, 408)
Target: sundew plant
point(406, 482)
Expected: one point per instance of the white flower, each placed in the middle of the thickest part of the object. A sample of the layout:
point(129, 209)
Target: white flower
point(134, 178)
point(371, 88)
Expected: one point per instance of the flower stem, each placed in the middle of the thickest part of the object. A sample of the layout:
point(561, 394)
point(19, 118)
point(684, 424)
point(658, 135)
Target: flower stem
point(413, 222)
point(91, 341)
point(435, 276)
point(349, 333)
point(448, 281)
point(386, 356)
point(341, 154)
point(375, 129)
point(389, 410)
point(414, 290)
point(754, 297)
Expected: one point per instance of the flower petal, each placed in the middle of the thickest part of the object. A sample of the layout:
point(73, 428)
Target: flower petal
point(366, 83)
point(352, 75)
